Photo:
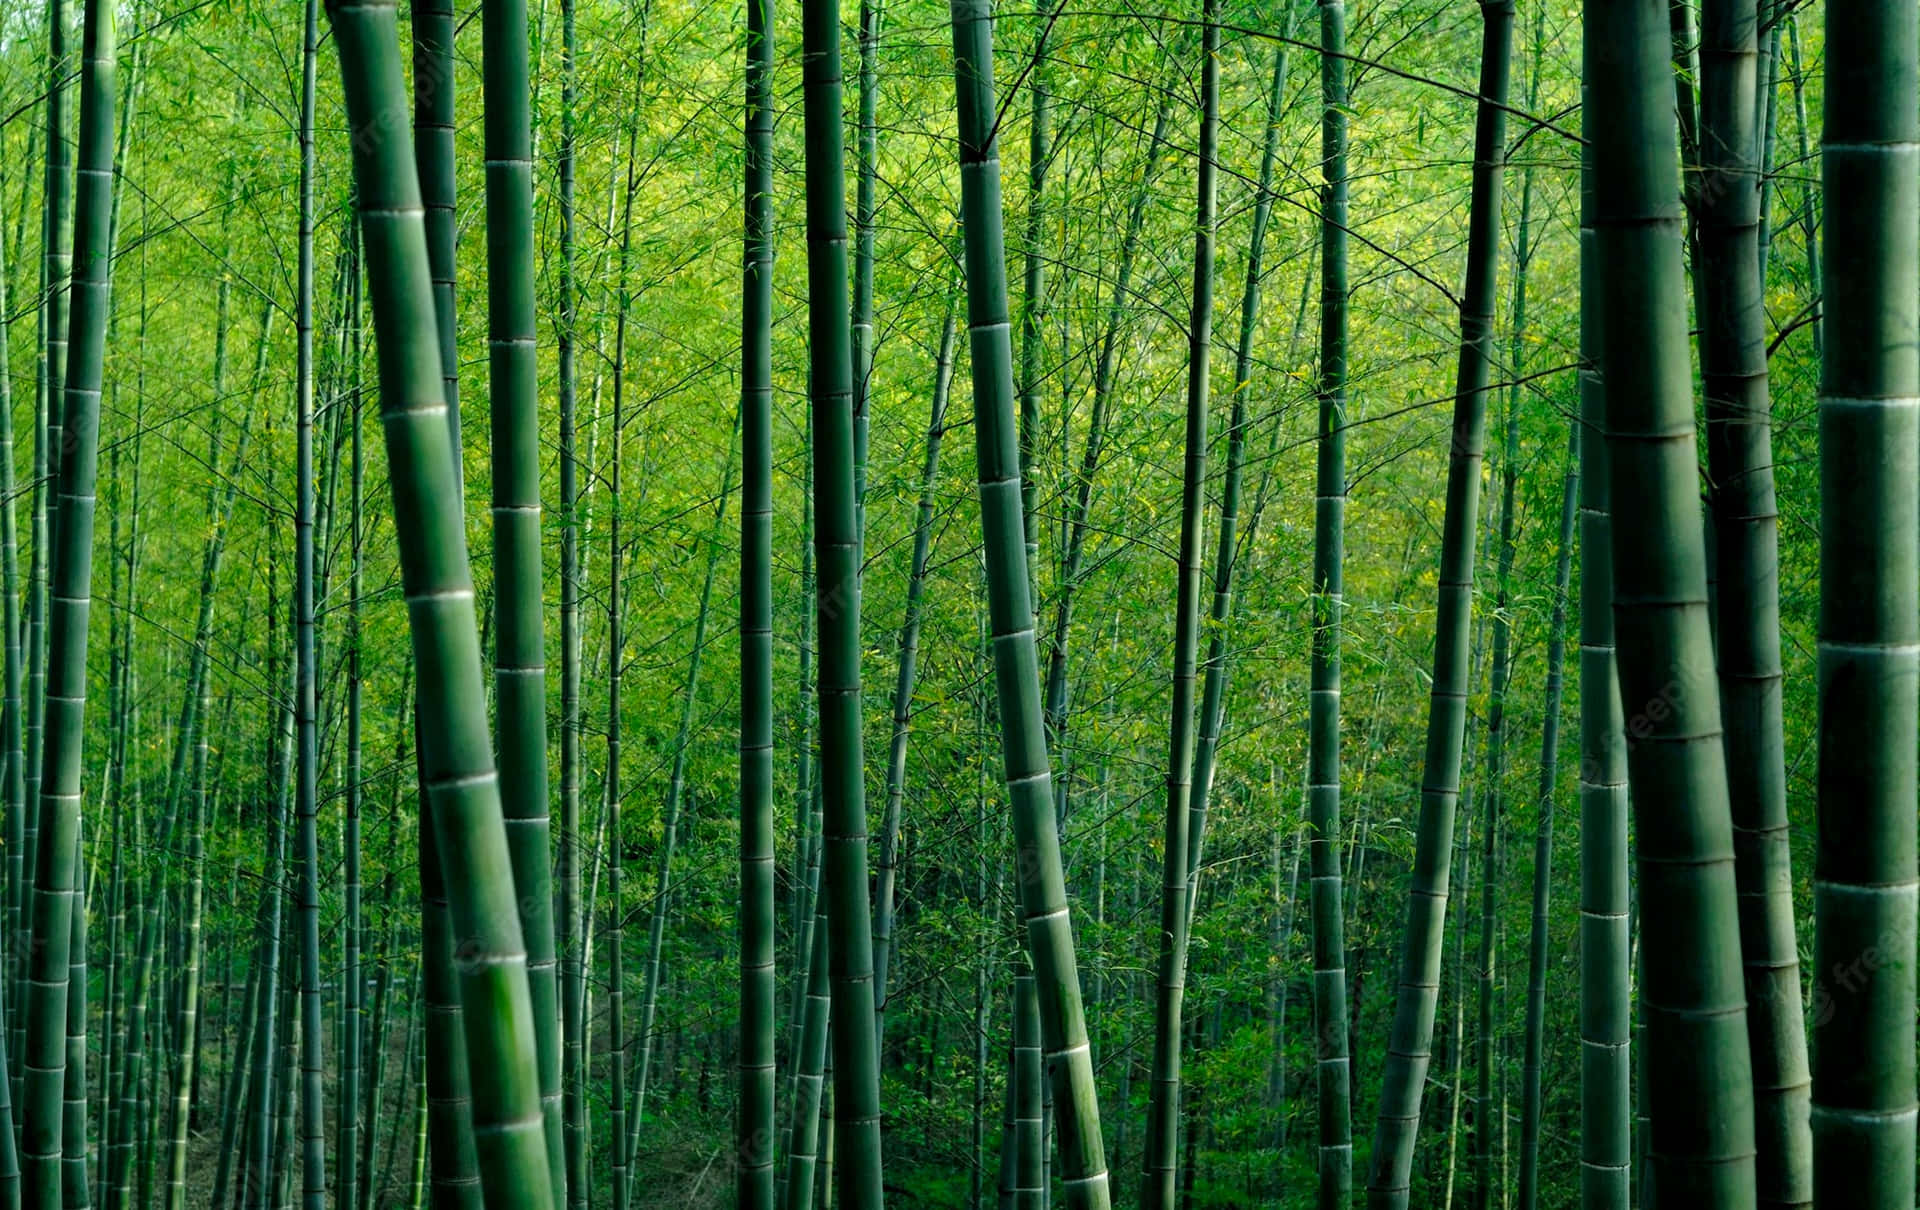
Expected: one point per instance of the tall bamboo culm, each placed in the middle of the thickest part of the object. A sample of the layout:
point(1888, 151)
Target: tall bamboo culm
point(1026, 768)
point(58, 875)
point(1333, 1066)
point(1163, 1104)
point(1410, 1044)
point(456, 747)
point(1869, 654)
point(837, 548)
point(753, 1126)
point(519, 664)
point(1691, 990)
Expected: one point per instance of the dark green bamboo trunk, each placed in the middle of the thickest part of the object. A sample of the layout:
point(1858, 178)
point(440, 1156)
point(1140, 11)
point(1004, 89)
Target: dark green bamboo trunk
point(1606, 1143)
point(837, 548)
point(1160, 1161)
point(1733, 365)
point(1700, 1084)
point(313, 1167)
point(58, 882)
point(55, 267)
point(1869, 654)
point(1333, 1068)
point(519, 672)
point(1410, 1044)
point(803, 1145)
point(1026, 770)
point(355, 1135)
point(754, 1117)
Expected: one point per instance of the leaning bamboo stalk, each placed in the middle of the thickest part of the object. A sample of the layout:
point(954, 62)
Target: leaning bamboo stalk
point(1027, 774)
point(456, 758)
point(1410, 1045)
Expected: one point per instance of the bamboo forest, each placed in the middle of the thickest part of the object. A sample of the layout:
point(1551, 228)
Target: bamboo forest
point(815, 604)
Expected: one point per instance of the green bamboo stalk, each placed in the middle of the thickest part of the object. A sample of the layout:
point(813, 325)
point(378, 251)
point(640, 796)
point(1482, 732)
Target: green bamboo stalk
point(1540, 937)
point(1733, 365)
point(754, 1118)
point(616, 836)
point(75, 1193)
point(1023, 730)
point(1333, 1067)
point(803, 1146)
point(470, 834)
point(454, 1178)
point(1410, 1045)
point(1227, 543)
point(907, 672)
point(50, 365)
point(417, 1198)
point(1160, 1160)
point(1766, 117)
point(1606, 1145)
point(187, 1029)
point(1869, 653)
point(55, 270)
point(258, 1139)
point(433, 153)
point(1033, 303)
point(519, 675)
point(355, 1137)
point(57, 873)
point(313, 1166)
point(1691, 990)
point(616, 662)
point(573, 1075)
point(13, 790)
point(1029, 1183)
point(837, 550)
point(860, 321)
